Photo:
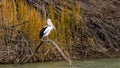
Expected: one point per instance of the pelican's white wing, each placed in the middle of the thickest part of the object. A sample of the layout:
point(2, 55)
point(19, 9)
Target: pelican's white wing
point(47, 31)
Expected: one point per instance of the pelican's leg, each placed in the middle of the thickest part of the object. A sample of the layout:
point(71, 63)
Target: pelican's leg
point(47, 37)
point(42, 38)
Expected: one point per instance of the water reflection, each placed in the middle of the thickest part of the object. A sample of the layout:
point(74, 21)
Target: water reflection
point(92, 63)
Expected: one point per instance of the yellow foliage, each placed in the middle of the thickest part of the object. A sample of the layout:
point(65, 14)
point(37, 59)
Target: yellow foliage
point(15, 14)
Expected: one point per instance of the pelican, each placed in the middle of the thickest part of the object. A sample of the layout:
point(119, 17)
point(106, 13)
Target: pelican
point(45, 32)
point(47, 29)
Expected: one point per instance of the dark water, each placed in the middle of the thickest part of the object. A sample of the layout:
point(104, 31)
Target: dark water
point(91, 63)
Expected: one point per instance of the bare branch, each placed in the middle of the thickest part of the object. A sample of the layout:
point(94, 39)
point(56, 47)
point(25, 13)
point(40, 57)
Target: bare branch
point(20, 24)
point(67, 58)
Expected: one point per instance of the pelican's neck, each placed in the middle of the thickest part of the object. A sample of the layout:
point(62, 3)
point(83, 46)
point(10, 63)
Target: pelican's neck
point(51, 27)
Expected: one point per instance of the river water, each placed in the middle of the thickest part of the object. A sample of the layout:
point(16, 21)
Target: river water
point(88, 63)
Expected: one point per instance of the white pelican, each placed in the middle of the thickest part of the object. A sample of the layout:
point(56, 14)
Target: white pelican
point(47, 29)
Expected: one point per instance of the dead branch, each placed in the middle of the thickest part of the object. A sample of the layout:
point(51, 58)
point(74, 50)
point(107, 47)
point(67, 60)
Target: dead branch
point(67, 58)
point(9, 27)
point(20, 23)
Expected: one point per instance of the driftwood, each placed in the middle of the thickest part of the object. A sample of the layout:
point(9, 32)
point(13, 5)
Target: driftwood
point(67, 58)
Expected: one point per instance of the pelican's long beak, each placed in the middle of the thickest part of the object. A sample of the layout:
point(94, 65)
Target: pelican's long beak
point(49, 22)
point(54, 28)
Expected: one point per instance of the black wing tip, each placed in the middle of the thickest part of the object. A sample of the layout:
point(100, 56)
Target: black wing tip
point(42, 32)
point(40, 37)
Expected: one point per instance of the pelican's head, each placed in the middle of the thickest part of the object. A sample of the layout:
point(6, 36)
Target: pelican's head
point(49, 22)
